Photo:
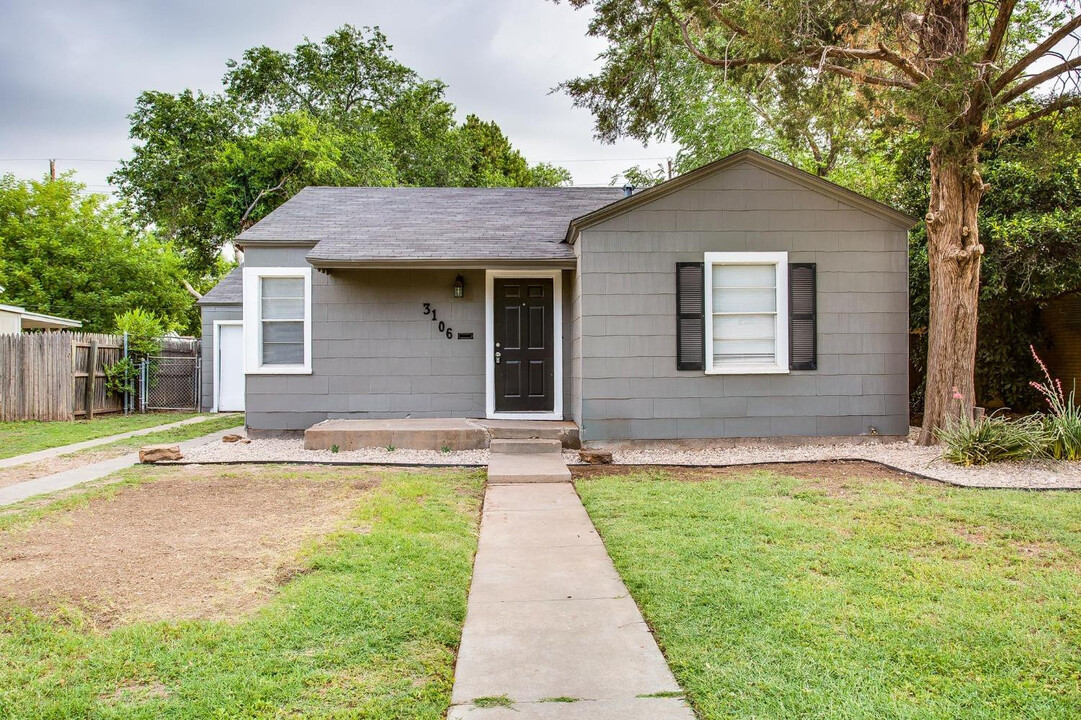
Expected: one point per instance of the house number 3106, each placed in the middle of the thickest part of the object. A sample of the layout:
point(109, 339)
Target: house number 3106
point(429, 310)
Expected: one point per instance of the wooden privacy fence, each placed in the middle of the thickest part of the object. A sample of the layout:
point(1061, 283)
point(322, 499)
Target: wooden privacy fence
point(56, 376)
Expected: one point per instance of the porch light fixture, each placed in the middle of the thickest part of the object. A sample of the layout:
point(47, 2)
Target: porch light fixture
point(459, 287)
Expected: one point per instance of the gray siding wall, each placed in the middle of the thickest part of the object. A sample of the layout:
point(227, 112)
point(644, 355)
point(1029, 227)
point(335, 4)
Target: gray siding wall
point(630, 388)
point(374, 353)
point(210, 313)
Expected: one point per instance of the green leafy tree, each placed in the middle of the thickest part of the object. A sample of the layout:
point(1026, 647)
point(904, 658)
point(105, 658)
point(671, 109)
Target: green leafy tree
point(955, 74)
point(338, 112)
point(495, 163)
point(75, 255)
point(1031, 227)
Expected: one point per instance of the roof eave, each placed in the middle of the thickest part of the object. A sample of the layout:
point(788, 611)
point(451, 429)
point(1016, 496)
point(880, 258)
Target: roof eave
point(813, 182)
point(458, 263)
point(243, 244)
point(39, 321)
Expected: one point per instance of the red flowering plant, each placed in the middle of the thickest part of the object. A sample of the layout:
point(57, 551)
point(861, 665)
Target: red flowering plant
point(1064, 416)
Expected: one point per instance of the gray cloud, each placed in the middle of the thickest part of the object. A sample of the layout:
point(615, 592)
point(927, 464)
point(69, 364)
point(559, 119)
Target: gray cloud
point(70, 71)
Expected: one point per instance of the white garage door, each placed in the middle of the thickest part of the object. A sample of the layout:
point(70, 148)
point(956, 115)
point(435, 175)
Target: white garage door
point(230, 368)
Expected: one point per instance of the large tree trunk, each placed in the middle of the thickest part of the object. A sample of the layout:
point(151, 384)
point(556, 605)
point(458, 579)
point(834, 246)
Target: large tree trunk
point(953, 252)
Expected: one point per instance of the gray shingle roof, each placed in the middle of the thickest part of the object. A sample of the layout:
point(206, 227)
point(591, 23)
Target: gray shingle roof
point(228, 291)
point(385, 224)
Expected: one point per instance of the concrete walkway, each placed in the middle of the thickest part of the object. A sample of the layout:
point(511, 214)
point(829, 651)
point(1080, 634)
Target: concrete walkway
point(550, 620)
point(86, 473)
point(75, 447)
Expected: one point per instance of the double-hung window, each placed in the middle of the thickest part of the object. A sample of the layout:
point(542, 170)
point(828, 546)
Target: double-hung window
point(281, 314)
point(277, 319)
point(746, 315)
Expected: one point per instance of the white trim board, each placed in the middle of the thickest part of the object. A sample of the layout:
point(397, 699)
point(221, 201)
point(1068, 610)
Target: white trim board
point(216, 356)
point(489, 339)
point(252, 325)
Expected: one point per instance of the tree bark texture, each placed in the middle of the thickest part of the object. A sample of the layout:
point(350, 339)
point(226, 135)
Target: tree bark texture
point(953, 253)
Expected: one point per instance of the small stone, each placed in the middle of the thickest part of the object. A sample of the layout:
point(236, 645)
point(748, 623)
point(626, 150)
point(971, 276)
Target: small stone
point(233, 438)
point(159, 453)
point(595, 457)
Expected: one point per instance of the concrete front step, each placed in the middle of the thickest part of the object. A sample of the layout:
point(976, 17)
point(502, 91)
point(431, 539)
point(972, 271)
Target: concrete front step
point(563, 430)
point(434, 433)
point(417, 434)
point(527, 468)
point(526, 447)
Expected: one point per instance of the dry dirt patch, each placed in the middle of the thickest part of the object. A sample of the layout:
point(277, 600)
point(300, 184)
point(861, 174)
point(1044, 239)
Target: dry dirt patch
point(41, 468)
point(197, 543)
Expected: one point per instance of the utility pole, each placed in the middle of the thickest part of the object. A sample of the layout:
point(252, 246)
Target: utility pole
point(669, 168)
point(52, 168)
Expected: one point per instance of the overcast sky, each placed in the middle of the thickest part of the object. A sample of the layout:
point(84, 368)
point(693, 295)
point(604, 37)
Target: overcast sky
point(70, 71)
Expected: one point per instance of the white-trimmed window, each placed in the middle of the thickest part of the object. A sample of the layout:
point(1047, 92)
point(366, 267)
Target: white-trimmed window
point(277, 320)
point(746, 312)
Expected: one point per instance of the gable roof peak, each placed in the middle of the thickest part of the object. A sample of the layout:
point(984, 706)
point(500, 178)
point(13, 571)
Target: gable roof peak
point(750, 157)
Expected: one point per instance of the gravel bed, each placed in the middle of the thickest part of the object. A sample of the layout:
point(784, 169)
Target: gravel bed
point(901, 455)
point(292, 450)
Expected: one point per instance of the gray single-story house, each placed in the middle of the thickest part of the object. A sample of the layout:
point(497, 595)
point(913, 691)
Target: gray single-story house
point(744, 299)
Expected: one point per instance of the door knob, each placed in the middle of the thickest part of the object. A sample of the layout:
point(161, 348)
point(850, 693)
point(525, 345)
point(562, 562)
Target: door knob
point(497, 356)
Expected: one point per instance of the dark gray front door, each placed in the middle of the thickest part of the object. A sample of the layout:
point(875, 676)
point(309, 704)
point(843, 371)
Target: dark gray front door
point(524, 345)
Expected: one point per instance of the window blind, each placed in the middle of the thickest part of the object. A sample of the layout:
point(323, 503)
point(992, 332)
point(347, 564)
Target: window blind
point(744, 315)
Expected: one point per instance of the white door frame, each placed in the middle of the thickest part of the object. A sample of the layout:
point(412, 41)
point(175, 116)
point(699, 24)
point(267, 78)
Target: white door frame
point(556, 275)
point(217, 356)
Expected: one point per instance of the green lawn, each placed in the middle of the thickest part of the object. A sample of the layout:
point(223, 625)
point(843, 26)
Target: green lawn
point(774, 597)
point(368, 628)
point(30, 436)
point(175, 435)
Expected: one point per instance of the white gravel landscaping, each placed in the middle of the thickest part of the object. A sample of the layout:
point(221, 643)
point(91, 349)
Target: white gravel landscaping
point(292, 450)
point(901, 455)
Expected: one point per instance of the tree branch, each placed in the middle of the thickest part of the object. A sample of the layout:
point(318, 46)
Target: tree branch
point(863, 77)
point(191, 291)
point(1049, 74)
point(808, 56)
point(688, 41)
point(1035, 54)
point(998, 31)
point(1062, 103)
point(260, 196)
point(714, 8)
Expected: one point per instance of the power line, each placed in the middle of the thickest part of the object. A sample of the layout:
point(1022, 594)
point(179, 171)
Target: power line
point(58, 158)
point(635, 159)
point(569, 160)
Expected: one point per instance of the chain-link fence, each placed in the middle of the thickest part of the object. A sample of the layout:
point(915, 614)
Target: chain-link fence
point(170, 383)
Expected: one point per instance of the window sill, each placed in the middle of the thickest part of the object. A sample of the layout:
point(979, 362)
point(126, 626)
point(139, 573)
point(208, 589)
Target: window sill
point(279, 370)
point(748, 370)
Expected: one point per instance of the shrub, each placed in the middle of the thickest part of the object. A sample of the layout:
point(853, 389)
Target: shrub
point(993, 438)
point(144, 331)
point(1063, 424)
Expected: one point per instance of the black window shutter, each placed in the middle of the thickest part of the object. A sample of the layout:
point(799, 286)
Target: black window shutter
point(690, 311)
point(802, 323)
